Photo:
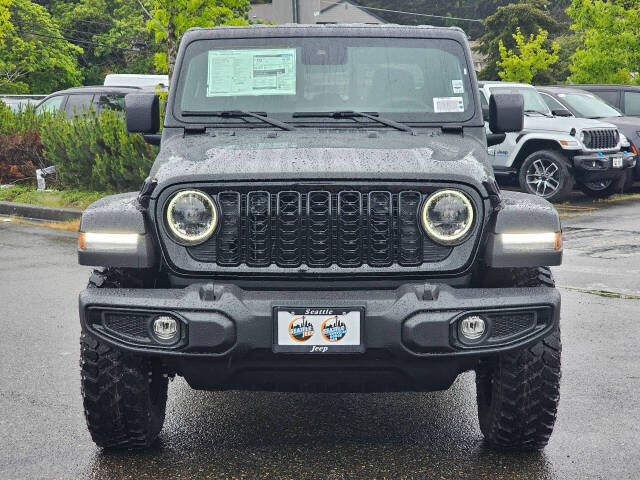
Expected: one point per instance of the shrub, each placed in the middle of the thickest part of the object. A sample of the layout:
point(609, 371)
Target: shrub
point(96, 153)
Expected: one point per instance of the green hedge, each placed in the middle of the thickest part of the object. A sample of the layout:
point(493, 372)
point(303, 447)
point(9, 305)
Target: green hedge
point(91, 152)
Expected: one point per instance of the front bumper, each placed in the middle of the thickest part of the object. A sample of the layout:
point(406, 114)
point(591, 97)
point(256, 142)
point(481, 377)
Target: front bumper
point(596, 166)
point(410, 334)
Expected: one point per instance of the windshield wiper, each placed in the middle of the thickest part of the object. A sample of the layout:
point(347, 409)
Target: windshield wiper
point(239, 114)
point(538, 112)
point(351, 113)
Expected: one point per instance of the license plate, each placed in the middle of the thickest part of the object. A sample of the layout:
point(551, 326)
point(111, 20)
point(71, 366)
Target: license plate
point(617, 162)
point(318, 330)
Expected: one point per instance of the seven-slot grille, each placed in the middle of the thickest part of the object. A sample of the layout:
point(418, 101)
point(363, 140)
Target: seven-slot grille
point(601, 139)
point(320, 229)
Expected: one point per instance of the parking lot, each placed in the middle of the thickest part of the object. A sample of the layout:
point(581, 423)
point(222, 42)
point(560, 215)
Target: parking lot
point(336, 436)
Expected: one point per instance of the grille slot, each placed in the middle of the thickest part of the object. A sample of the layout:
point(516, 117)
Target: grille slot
point(319, 229)
point(602, 139)
point(131, 326)
point(507, 325)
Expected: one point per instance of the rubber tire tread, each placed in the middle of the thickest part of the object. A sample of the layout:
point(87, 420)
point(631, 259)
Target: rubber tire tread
point(124, 395)
point(518, 392)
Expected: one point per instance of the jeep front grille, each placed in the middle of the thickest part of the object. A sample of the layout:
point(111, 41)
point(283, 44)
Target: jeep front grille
point(319, 228)
point(601, 139)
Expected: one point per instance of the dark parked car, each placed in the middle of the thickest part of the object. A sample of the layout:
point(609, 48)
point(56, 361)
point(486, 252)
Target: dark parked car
point(74, 101)
point(583, 104)
point(322, 216)
point(625, 98)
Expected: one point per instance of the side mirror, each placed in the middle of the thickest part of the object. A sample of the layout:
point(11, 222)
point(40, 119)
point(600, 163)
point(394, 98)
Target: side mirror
point(142, 111)
point(506, 112)
point(561, 112)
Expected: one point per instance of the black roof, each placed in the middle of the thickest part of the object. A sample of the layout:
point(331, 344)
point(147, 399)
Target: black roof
point(601, 86)
point(97, 89)
point(324, 30)
point(561, 89)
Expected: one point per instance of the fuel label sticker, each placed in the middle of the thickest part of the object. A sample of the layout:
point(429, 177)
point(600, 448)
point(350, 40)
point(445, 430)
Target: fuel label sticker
point(448, 104)
point(251, 72)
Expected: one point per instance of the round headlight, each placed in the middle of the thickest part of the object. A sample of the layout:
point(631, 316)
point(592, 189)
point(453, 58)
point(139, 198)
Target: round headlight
point(191, 216)
point(447, 216)
point(585, 138)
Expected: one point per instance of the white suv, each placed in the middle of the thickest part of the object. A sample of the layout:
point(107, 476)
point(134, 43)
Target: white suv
point(552, 154)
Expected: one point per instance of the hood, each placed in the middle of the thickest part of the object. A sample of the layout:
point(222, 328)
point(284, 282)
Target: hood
point(561, 124)
point(628, 126)
point(349, 155)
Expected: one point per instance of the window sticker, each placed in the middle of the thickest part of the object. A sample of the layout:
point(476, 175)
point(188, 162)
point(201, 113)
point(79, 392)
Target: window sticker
point(251, 72)
point(458, 86)
point(448, 104)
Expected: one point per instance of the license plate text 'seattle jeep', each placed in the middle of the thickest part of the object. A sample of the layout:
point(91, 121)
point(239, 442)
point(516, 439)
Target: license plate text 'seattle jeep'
point(322, 216)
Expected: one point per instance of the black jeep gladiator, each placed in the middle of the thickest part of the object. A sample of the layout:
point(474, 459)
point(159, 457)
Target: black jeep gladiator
point(322, 216)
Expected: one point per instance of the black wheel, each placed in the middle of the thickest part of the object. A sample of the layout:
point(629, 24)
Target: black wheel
point(603, 188)
point(124, 395)
point(629, 178)
point(518, 392)
point(546, 174)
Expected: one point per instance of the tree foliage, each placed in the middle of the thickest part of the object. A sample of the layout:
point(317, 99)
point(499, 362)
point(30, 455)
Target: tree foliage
point(530, 16)
point(530, 57)
point(112, 33)
point(172, 18)
point(609, 33)
point(35, 57)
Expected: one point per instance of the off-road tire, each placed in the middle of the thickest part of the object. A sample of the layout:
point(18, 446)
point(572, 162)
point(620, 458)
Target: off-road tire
point(629, 179)
point(616, 186)
point(124, 395)
point(565, 176)
point(518, 392)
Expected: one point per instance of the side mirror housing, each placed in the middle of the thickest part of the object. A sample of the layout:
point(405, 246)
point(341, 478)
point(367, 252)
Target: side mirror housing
point(142, 111)
point(561, 112)
point(506, 112)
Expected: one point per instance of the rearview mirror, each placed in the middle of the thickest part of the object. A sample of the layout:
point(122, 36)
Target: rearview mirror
point(142, 111)
point(561, 112)
point(506, 112)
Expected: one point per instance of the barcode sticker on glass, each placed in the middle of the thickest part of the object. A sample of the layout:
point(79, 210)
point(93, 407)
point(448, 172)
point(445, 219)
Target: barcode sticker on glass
point(448, 104)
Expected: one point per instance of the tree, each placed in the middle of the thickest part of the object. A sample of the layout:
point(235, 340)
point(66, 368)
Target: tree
point(609, 33)
point(112, 33)
point(530, 16)
point(531, 58)
point(35, 57)
point(172, 18)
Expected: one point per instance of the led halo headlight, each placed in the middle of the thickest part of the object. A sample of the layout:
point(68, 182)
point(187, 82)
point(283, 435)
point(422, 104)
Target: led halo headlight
point(191, 217)
point(585, 137)
point(447, 216)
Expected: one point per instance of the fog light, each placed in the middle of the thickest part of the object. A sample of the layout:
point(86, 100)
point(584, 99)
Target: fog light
point(165, 328)
point(472, 328)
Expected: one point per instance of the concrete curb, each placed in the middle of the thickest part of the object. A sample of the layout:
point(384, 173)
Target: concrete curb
point(39, 212)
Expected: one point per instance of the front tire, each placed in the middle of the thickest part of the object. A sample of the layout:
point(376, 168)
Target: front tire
point(124, 395)
point(603, 188)
point(545, 173)
point(518, 392)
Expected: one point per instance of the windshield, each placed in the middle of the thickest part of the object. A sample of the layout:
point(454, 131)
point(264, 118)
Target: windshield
point(588, 105)
point(420, 80)
point(533, 102)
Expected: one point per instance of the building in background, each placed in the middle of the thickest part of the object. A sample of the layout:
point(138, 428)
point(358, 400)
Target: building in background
point(313, 11)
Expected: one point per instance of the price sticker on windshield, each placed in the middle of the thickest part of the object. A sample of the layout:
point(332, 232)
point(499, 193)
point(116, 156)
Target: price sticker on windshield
point(448, 104)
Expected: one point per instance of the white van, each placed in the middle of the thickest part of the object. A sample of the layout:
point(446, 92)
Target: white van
point(135, 80)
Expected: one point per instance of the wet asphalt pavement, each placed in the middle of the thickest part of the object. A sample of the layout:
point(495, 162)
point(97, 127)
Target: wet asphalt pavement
point(332, 436)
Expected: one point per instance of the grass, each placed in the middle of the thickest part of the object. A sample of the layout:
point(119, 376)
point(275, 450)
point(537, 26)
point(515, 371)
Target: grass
point(66, 198)
point(70, 226)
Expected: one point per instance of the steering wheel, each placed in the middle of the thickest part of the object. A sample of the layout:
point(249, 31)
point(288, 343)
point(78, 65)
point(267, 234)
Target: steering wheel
point(400, 102)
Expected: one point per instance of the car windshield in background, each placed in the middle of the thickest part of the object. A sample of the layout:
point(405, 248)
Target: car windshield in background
point(533, 102)
point(589, 106)
point(420, 80)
